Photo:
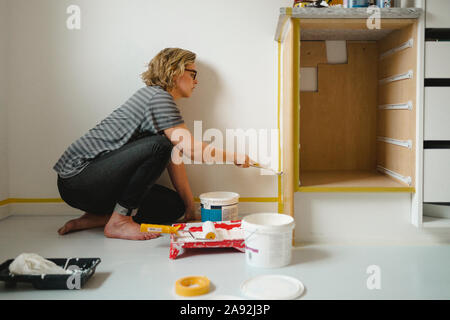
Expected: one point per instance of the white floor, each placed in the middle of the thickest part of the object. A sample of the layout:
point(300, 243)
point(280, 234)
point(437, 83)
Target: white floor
point(143, 270)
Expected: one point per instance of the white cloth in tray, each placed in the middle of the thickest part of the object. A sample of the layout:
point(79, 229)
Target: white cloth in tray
point(33, 264)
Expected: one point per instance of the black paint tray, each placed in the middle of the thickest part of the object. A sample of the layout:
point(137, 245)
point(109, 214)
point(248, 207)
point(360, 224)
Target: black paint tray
point(85, 266)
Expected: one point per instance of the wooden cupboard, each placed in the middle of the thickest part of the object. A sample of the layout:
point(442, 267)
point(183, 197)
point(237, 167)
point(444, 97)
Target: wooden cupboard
point(357, 129)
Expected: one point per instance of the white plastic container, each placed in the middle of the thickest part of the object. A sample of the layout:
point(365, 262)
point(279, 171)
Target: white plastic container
point(219, 206)
point(268, 239)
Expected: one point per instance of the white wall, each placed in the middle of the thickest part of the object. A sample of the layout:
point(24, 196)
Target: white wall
point(3, 107)
point(64, 81)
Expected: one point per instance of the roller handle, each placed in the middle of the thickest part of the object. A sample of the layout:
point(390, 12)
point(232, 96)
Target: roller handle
point(158, 228)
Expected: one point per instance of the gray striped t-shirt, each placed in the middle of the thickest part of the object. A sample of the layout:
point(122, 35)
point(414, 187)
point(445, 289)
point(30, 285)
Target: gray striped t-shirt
point(149, 111)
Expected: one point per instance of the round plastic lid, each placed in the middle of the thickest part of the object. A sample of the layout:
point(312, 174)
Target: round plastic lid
point(220, 198)
point(272, 287)
point(268, 222)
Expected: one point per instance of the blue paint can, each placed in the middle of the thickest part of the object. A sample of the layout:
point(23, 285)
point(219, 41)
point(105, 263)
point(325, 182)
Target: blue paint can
point(358, 3)
point(219, 206)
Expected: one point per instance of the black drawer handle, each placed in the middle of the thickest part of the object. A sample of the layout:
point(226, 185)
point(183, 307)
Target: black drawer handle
point(437, 34)
point(437, 144)
point(437, 82)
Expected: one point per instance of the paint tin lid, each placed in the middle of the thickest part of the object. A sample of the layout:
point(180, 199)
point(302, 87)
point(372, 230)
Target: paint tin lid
point(272, 287)
point(219, 198)
point(268, 223)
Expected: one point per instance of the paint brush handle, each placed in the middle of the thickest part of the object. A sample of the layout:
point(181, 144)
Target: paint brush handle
point(257, 165)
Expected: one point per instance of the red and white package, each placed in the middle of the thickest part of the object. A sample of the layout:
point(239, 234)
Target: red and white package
point(229, 234)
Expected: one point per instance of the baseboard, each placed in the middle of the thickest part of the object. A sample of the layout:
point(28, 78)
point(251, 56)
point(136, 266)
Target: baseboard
point(42, 209)
point(61, 208)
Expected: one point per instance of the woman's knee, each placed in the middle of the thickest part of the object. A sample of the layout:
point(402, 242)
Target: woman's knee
point(161, 146)
point(160, 205)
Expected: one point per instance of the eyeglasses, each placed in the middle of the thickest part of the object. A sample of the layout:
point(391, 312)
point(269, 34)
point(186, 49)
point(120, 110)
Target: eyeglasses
point(193, 74)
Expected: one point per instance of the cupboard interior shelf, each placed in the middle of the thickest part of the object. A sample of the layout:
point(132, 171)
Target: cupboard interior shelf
point(350, 181)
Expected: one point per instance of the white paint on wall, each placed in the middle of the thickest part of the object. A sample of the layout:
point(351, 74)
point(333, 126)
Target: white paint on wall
point(66, 81)
point(4, 194)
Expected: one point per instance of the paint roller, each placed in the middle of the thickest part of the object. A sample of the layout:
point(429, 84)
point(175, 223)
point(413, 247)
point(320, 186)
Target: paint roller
point(157, 228)
point(209, 230)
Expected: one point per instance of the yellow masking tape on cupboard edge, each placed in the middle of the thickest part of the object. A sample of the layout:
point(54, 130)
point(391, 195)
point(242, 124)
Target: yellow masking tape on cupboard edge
point(159, 228)
point(280, 196)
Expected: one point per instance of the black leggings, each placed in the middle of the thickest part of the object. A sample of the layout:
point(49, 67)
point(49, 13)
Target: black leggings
point(126, 176)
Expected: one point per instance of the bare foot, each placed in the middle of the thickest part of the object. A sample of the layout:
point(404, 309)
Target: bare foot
point(123, 227)
point(86, 221)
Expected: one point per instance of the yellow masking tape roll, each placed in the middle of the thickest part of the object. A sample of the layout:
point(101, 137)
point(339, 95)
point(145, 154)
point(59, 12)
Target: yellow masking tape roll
point(192, 286)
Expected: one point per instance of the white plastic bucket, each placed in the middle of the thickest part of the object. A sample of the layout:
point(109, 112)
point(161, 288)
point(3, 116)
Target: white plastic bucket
point(219, 206)
point(268, 239)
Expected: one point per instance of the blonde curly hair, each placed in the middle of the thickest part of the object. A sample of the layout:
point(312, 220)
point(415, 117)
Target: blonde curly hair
point(167, 64)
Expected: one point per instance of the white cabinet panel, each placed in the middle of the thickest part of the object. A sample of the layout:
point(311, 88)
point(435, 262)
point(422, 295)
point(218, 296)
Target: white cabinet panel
point(436, 59)
point(437, 14)
point(437, 113)
point(436, 175)
point(436, 210)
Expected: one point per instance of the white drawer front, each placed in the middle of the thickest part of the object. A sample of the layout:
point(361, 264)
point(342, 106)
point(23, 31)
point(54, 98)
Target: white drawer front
point(436, 175)
point(437, 15)
point(437, 64)
point(437, 113)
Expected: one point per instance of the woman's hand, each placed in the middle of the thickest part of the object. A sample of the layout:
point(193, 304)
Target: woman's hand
point(243, 160)
point(189, 213)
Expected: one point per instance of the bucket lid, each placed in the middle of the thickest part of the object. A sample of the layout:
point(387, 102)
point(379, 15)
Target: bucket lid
point(268, 222)
point(272, 287)
point(219, 198)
